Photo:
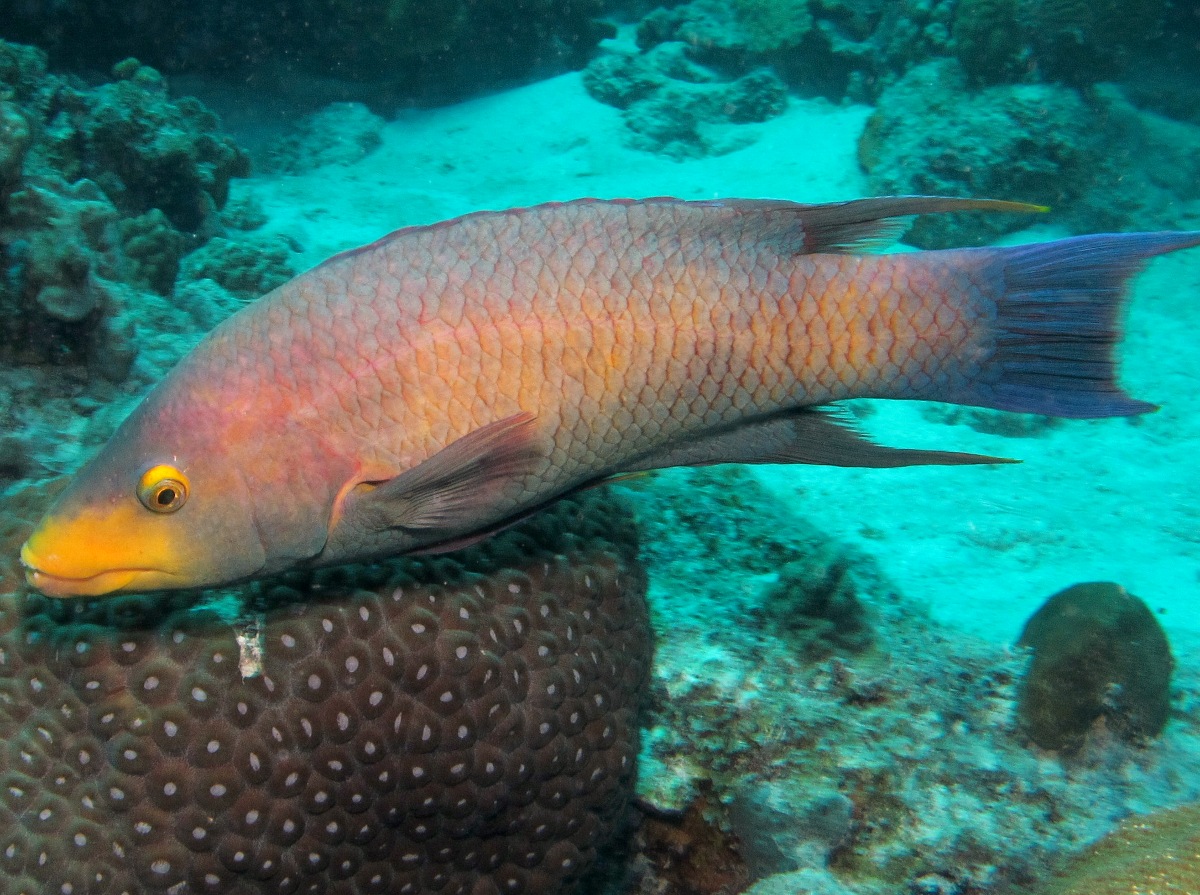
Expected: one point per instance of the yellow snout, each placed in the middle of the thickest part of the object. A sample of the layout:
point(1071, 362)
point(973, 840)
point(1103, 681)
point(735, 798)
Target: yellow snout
point(99, 553)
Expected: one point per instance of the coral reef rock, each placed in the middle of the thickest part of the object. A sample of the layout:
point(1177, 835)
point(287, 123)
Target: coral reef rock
point(930, 134)
point(149, 151)
point(1098, 652)
point(462, 725)
point(15, 137)
point(724, 32)
point(248, 269)
point(1074, 41)
point(102, 191)
point(1156, 854)
point(991, 40)
point(429, 48)
point(1099, 163)
point(855, 49)
point(339, 134)
point(676, 106)
point(64, 300)
point(1080, 41)
point(697, 69)
point(835, 48)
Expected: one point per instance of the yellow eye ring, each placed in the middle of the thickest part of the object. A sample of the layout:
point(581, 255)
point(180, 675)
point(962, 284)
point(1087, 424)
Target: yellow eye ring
point(163, 489)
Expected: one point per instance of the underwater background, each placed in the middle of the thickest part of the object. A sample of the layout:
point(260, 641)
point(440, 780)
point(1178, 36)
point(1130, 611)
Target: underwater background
point(837, 702)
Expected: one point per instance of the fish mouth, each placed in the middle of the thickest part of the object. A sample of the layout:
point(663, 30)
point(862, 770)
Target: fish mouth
point(93, 586)
point(105, 582)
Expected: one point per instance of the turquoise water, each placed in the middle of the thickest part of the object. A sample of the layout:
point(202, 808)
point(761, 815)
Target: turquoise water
point(835, 702)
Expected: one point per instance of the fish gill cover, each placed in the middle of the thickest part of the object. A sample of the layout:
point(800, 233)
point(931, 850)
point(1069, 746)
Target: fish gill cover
point(766, 753)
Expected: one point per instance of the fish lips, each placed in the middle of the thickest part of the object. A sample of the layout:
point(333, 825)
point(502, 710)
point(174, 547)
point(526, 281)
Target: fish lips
point(105, 582)
point(106, 550)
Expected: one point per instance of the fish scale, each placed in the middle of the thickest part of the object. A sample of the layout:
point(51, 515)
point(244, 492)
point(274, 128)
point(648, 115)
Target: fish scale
point(428, 389)
point(667, 290)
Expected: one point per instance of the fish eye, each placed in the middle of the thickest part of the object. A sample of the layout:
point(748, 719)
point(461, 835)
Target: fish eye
point(163, 489)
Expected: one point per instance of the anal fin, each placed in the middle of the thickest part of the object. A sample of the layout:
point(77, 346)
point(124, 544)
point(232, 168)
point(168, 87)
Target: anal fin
point(808, 436)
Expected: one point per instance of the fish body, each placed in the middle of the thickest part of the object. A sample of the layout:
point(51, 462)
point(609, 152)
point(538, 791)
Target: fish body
point(432, 387)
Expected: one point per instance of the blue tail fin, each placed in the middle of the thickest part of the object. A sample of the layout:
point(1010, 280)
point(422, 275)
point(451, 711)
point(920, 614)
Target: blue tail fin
point(1058, 323)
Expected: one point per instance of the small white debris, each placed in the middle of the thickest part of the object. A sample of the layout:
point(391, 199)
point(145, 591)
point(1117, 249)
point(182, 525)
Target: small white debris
point(250, 646)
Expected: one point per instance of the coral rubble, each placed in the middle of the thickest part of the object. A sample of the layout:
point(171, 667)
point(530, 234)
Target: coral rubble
point(463, 726)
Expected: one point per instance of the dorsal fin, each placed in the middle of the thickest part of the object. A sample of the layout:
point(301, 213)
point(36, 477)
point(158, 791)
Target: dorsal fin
point(790, 227)
point(854, 226)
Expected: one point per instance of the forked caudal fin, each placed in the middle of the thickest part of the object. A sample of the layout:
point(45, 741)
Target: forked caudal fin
point(1057, 320)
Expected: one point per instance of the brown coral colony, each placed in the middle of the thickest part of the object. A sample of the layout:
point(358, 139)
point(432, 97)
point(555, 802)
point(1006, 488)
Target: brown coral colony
point(449, 729)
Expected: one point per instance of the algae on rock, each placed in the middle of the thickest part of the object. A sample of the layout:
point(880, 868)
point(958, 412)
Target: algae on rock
point(1155, 854)
point(815, 605)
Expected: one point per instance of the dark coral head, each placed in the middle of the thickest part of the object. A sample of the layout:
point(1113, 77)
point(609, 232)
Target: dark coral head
point(1098, 652)
point(462, 724)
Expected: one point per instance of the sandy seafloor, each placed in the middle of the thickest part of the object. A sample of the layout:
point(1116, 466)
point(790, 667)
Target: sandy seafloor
point(982, 547)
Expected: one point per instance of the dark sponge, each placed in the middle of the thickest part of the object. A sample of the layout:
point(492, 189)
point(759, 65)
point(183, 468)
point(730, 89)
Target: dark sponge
point(456, 725)
point(1097, 651)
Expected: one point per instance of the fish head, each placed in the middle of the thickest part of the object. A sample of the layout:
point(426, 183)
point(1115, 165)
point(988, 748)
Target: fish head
point(160, 507)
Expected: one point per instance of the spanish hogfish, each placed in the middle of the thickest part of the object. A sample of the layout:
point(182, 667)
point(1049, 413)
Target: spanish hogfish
point(426, 390)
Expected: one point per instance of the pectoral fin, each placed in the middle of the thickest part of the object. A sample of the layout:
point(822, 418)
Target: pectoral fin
point(809, 436)
point(460, 485)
